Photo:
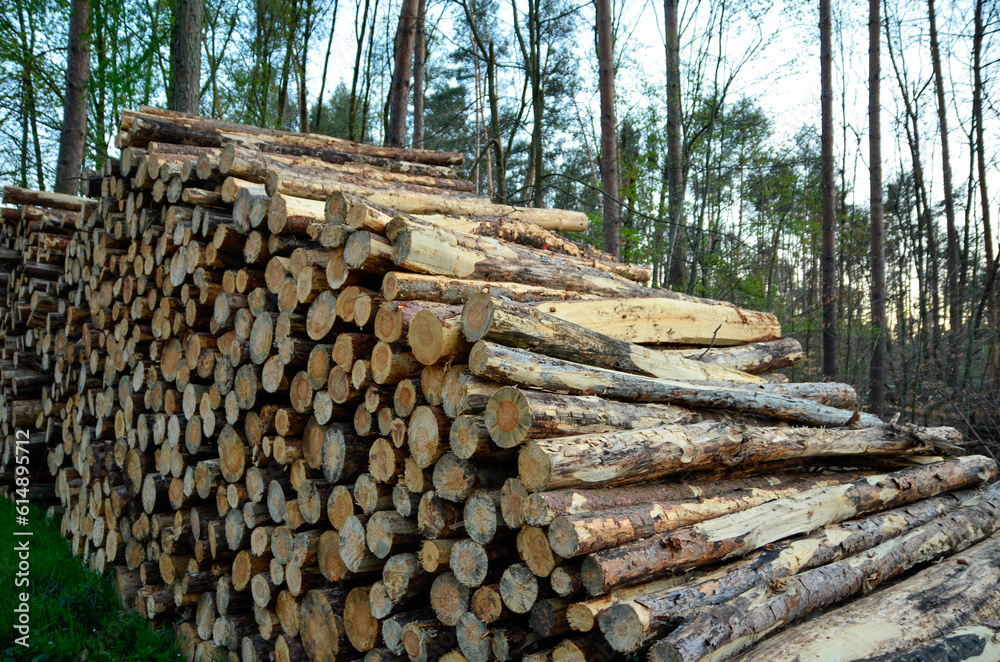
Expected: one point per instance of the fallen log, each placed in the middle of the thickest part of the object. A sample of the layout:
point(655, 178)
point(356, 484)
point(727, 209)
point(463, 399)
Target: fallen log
point(508, 365)
point(623, 458)
point(740, 533)
point(639, 619)
point(737, 624)
point(490, 318)
point(935, 601)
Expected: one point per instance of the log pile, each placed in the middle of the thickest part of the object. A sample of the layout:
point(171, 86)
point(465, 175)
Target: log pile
point(315, 400)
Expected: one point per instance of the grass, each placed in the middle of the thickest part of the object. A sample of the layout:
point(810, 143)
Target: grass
point(75, 615)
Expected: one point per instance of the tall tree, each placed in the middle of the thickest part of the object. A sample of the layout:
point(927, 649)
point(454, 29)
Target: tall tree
point(326, 64)
point(984, 199)
point(876, 397)
point(828, 257)
point(185, 56)
point(399, 91)
point(74, 127)
point(675, 165)
point(419, 60)
point(954, 302)
point(609, 136)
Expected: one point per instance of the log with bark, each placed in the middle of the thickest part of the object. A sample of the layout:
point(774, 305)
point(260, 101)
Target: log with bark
point(953, 593)
point(735, 535)
point(519, 367)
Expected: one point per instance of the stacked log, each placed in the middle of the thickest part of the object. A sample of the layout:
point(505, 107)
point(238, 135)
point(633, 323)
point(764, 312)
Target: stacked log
point(317, 400)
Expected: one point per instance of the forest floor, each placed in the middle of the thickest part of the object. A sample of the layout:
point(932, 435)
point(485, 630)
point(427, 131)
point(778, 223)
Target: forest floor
point(75, 615)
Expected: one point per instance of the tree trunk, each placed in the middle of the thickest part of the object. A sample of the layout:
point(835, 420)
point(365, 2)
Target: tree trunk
point(740, 533)
point(737, 624)
point(399, 91)
point(496, 320)
point(518, 367)
point(73, 135)
point(879, 360)
point(896, 617)
point(326, 65)
point(609, 135)
point(984, 200)
point(828, 259)
point(624, 458)
point(675, 157)
point(628, 625)
point(419, 59)
point(185, 91)
point(954, 296)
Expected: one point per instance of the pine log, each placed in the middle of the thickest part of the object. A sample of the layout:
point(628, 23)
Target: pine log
point(518, 367)
point(931, 603)
point(573, 535)
point(623, 458)
point(403, 286)
point(718, 324)
point(737, 624)
point(433, 250)
point(964, 644)
point(527, 327)
point(735, 535)
point(514, 415)
point(755, 357)
point(541, 508)
point(414, 202)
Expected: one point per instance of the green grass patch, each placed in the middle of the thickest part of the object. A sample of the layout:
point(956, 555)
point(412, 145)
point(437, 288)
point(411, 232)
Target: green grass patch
point(75, 614)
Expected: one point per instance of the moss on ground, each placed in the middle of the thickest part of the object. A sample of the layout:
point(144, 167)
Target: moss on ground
point(75, 614)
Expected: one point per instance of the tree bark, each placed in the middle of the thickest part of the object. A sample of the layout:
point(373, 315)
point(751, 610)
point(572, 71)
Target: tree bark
point(73, 135)
point(879, 361)
point(896, 617)
point(399, 90)
point(185, 90)
point(638, 619)
point(518, 367)
point(737, 624)
point(740, 533)
point(828, 256)
point(623, 458)
point(609, 131)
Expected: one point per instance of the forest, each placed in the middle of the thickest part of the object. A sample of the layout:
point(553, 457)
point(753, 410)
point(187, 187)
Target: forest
point(773, 154)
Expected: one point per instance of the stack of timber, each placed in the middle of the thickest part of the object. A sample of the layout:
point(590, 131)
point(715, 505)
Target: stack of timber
point(316, 400)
